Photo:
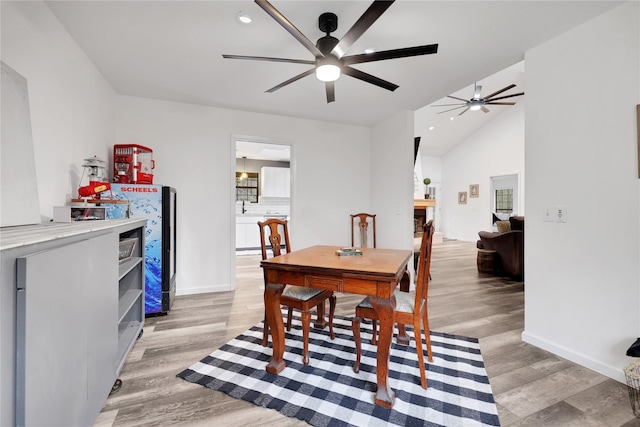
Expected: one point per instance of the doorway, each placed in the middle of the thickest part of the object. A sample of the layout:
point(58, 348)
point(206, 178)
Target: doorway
point(504, 198)
point(261, 190)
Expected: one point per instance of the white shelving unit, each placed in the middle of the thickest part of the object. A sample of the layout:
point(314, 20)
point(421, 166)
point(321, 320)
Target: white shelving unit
point(70, 314)
point(130, 296)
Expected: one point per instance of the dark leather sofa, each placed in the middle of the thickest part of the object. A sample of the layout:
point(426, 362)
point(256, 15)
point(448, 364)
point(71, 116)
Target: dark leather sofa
point(509, 247)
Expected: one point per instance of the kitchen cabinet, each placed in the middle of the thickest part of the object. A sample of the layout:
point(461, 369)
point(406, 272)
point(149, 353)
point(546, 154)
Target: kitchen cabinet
point(247, 233)
point(275, 182)
point(71, 313)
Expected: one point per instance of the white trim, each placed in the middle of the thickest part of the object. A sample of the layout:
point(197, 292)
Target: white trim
point(579, 358)
point(202, 290)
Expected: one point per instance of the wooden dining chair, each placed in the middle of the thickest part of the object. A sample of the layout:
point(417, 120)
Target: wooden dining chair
point(294, 297)
point(364, 220)
point(411, 308)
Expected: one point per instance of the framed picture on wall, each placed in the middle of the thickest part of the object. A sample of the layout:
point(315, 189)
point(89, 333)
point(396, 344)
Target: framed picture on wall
point(462, 197)
point(474, 190)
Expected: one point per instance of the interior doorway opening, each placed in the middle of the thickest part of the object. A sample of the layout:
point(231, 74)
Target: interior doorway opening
point(261, 189)
point(504, 198)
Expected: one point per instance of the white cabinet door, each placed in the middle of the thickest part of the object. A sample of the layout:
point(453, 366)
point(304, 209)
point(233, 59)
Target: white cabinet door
point(268, 182)
point(241, 235)
point(275, 182)
point(66, 309)
point(252, 236)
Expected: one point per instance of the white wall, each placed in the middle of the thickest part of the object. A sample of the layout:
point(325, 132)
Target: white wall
point(193, 153)
point(582, 293)
point(392, 181)
point(432, 169)
point(495, 149)
point(72, 105)
point(72, 118)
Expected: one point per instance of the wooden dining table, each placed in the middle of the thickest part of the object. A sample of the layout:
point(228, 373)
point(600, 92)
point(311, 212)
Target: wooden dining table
point(375, 273)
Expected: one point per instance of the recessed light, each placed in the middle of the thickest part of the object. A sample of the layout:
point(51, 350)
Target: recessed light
point(431, 127)
point(243, 17)
point(369, 50)
point(451, 118)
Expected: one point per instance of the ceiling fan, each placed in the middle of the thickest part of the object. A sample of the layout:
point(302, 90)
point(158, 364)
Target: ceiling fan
point(477, 102)
point(329, 52)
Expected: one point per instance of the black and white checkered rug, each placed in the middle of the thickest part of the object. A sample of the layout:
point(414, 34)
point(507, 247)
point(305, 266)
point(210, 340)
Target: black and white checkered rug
point(328, 393)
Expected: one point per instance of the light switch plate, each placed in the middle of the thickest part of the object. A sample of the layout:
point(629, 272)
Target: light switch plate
point(547, 214)
point(561, 214)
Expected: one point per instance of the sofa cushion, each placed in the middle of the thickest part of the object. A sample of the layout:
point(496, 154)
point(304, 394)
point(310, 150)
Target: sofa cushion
point(503, 226)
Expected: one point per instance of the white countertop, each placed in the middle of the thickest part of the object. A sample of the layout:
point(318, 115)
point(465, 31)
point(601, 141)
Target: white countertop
point(249, 219)
point(23, 235)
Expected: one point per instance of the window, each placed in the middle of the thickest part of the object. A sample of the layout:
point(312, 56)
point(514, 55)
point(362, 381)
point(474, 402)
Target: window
point(504, 201)
point(247, 189)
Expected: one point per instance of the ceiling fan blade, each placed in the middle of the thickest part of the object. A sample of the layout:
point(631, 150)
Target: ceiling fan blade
point(369, 78)
point(459, 99)
point(331, 91)
point(390, 54)
point(464, 111)
point(451, 109)
point(500, 91)
point(287, 25)
point(267, 58)
point(484, 109)
point(500, 103)
point(503, 97)
point(291, 80)
point(367, 19)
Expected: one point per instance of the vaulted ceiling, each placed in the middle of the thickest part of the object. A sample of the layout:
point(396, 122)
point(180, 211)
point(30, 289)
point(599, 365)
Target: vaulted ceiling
point(172, 50)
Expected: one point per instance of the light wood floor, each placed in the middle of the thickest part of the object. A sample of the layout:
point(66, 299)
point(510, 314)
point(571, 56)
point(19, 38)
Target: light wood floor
point(532, 387)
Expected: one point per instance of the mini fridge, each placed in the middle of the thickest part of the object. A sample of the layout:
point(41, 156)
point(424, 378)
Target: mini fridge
point(157, 204)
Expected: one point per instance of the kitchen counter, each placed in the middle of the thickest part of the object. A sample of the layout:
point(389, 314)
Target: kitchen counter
point(249, 219)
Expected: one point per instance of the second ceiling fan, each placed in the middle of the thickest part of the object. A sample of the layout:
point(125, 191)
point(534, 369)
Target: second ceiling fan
point(478, 102)
point(329, 52)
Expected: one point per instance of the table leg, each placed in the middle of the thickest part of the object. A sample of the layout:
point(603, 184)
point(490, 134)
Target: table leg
point(405, 284)
point(321, 322)
point(385, 309)
point(272, 294)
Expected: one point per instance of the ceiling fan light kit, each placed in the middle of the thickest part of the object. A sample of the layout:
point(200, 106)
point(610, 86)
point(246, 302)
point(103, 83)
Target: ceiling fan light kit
point(475, 105)
point(330, 62)
point(328, 69)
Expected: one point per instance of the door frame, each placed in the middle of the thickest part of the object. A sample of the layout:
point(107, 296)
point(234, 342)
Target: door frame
point(232, 192)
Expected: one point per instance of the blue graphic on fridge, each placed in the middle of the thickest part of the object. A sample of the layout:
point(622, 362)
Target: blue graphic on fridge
point(157, 204)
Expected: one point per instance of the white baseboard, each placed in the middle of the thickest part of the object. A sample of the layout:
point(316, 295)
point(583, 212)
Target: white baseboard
point(612, 372)
point(204, 289)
